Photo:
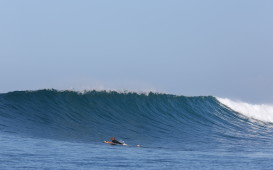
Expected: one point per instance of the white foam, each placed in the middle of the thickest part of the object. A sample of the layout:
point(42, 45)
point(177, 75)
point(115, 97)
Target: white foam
point(260, 112)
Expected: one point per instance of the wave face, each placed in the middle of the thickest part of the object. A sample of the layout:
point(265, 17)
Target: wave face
point(153, 120)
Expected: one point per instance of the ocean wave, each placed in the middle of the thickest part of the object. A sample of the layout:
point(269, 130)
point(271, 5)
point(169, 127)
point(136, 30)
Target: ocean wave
point(134, 117)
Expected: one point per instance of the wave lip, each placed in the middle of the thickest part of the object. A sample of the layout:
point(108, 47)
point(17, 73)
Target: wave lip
point(260, 112)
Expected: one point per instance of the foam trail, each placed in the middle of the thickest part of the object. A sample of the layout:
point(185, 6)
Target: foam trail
point(260, 112)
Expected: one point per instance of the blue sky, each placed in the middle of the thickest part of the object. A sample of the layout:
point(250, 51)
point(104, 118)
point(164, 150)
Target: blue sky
point(197, 47)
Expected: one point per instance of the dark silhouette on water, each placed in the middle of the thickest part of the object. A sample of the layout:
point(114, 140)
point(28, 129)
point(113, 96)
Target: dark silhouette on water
point(114, 141)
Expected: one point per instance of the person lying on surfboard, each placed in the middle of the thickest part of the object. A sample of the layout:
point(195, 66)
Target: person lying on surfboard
point(114, 141)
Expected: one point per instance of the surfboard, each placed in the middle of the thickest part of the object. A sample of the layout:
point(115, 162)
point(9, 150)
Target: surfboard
point(111, 143)
point(124, 144)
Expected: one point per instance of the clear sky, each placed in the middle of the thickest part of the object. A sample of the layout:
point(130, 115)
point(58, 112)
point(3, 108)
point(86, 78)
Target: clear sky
point(184, 47)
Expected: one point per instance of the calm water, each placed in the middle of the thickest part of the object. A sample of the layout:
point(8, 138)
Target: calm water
point(28, 153)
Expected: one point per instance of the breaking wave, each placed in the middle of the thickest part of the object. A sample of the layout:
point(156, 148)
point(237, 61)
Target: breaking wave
point(93, 116)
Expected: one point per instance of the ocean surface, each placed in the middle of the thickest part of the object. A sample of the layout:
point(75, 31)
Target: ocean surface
point(51, 129)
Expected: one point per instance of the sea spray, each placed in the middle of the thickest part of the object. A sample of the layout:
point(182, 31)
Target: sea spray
point(260, 112)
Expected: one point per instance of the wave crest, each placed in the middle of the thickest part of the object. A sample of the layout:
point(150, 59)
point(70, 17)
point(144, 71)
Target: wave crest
point(260, 112)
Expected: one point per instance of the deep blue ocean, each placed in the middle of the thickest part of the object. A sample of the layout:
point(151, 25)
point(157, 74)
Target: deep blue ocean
point(51, 129)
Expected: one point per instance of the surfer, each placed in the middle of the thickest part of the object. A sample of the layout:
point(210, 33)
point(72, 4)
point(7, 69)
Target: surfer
point(114, 141)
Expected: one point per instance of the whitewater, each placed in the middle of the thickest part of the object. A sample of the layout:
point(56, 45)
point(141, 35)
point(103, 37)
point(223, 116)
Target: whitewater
point(52, 129)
